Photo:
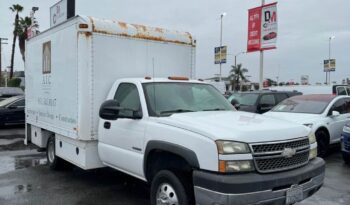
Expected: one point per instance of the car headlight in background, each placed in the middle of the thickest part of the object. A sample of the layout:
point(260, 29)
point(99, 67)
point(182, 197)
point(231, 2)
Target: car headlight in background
point(229, 147)
point(309, 125)
point(236, 166)
point(312, 138)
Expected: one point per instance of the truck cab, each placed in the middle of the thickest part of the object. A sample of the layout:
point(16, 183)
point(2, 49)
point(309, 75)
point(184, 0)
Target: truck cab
point(184, 136)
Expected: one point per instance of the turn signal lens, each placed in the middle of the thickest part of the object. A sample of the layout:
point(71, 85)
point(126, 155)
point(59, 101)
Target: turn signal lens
point(236, 166)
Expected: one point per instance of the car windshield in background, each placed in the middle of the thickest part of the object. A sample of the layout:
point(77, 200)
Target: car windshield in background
point(245, 98)
point(164, 99)
point(8, 101)
point(301, 106)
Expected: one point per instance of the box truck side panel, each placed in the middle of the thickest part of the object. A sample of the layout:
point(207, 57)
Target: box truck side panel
point(117, 57)
point(51, 84)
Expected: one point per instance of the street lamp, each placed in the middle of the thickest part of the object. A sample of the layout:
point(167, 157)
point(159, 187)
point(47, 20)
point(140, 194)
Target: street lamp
point(242, 52)
point(221, 18)
point(329, 59)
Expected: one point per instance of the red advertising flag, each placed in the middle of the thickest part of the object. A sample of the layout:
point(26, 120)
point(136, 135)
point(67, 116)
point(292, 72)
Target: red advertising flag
point(254, 29)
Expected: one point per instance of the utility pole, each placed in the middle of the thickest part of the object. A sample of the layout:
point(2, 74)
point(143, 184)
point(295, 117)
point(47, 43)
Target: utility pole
point(261, 75)
point(329, 58)
point(1, 39)
point(221, 17)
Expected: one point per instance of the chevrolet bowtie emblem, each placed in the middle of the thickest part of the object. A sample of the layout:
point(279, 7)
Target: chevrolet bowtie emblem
point(288, 152)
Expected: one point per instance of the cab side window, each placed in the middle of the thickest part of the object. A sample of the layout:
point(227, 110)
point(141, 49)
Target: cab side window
point(128, 97)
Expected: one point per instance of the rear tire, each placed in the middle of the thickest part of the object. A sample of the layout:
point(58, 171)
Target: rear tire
point(346, 159)
point(167, 188)
point(54, 162)
point(322, 143)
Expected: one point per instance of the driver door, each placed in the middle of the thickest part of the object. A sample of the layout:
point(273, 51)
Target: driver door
point(336, 123)
point(121, 144)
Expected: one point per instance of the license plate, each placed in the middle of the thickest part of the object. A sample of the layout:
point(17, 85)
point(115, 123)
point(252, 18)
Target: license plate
point(294, 194)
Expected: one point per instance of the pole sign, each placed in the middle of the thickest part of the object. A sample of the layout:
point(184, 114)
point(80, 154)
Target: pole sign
point(220, 54)
point(329, 65)
point(262, 28)
point(61, 11)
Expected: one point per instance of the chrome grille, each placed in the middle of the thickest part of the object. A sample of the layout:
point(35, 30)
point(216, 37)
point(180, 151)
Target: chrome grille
point(280, 146)
point(271, 157)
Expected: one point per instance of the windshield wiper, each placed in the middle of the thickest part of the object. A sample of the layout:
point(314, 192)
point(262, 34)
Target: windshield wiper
point(214, 109)
point(175, 111)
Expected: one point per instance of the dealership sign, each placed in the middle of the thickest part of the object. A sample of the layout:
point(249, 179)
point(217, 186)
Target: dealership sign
point(329, 65)
point(262, 28)
point(220, 54)
point(61, 11)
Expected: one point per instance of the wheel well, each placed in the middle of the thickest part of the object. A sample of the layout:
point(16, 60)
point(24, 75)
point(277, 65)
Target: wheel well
point(326, 130)
point(160, 160)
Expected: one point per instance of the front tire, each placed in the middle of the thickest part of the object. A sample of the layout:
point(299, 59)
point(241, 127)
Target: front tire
point(346, 159)
point(167, 189)
point(322, 139)
point(53, 161)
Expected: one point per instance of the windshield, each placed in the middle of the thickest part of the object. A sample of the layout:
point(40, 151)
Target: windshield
point(244, 98)
point(164, 99)
point(301, 106)
point(7, 101)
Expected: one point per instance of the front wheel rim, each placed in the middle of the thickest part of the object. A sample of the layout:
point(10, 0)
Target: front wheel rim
point(166, 195)
point(51, 152)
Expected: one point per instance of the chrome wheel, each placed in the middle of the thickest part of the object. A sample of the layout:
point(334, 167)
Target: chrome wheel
point(166, 195)
point(51, 151)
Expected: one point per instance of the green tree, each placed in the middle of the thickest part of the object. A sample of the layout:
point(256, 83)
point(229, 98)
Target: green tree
point(15, 8)
point(23, 24)
point(15, 82)
point(237, 74)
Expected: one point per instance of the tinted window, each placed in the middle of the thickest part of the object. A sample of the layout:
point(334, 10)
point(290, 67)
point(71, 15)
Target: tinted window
point(268, 99)
point(301, 106)
point(280, 97)
point(342, 106)
point(341, 90)
point(245, 98)
point(19, 103)
point(128, 97)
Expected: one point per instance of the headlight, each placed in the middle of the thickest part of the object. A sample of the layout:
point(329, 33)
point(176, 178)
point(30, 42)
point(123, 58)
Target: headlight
point(309, 125)
point(312, 138)
point(228, 147)
point(236, 166)
point(313, 153)
point(346, 129)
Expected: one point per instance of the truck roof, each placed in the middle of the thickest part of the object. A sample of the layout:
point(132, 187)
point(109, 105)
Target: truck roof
point(119, 28)
point(160, 80)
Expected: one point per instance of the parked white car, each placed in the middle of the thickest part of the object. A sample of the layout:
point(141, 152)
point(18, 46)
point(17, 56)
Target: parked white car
point(326, 115)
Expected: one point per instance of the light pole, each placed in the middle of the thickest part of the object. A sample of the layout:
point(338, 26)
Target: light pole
point(242, 52)
point(329, 58)
point(221, 18)
point(261, 74)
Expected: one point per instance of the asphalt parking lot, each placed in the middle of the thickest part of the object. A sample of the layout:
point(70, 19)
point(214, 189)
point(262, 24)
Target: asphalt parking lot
point(25, 179)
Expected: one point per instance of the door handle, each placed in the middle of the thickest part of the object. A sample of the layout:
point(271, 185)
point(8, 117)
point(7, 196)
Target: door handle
point(107, 125)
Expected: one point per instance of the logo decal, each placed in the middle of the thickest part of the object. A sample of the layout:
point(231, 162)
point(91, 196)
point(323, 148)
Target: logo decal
point(288, 152)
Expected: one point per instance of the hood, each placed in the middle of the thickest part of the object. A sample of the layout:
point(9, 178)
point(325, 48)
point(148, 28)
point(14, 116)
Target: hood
point(300, 118)
point(236, 126)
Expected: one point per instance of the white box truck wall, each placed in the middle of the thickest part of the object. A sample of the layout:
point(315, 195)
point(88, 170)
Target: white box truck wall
point(70, 69)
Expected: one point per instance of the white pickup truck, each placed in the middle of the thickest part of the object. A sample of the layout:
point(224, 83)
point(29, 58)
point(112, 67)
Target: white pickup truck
point(90, 101)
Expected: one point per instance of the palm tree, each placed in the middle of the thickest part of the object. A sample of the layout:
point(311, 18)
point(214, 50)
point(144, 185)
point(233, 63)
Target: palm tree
point(16, 8)
point(23, 24)
point(237, 73)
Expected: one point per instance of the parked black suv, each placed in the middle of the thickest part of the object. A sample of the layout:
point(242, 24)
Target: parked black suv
point(12, 111)
point(259, 101)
